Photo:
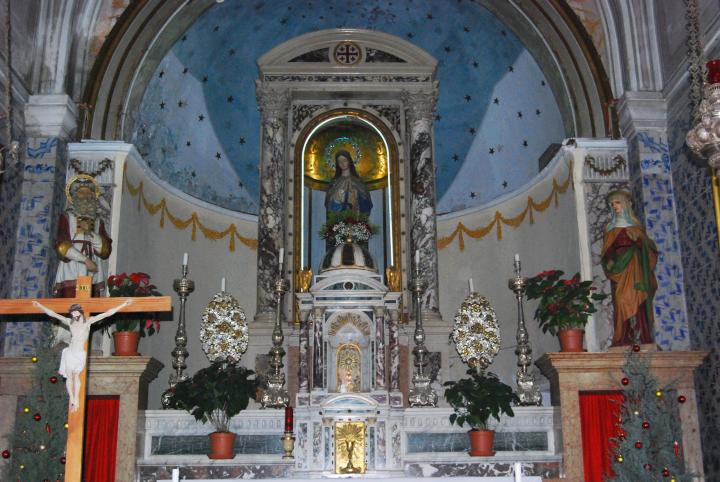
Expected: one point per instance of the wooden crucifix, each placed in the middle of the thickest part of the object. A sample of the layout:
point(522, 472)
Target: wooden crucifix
point(106, 306)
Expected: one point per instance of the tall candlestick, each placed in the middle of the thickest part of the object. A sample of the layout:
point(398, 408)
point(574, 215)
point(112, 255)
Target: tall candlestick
point(185, 259)
point(222, 284)
point(288, 419)
point(470, 285)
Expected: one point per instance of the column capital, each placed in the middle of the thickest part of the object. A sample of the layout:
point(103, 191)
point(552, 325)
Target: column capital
point(273, 102)
point(50, 116)
point(642, 111)
point(420, 105)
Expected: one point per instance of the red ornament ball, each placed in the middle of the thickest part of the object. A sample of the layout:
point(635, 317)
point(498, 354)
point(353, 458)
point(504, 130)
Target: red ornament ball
point(666, 472)
point(621, 434)
point(37, 417)
point(636, 348)
point(6, 454)
point(638, 444)
point(646, 425)
point(648, 467)
point(625, 381)
point(62, 460)
point(682, 399)
point(53, 379)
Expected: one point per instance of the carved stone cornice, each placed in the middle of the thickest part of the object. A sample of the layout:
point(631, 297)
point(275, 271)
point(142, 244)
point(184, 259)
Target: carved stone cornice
point(420, 105)
point(273, 103)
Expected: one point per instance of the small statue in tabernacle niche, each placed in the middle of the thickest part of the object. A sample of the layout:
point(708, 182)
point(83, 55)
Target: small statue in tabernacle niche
point(628, 258)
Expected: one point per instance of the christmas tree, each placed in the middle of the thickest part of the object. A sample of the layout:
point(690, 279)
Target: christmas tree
point(38, 444)
point(649, 441)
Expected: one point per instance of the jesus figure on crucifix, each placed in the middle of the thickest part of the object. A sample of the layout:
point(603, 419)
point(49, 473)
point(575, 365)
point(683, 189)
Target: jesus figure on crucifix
point(73, 358)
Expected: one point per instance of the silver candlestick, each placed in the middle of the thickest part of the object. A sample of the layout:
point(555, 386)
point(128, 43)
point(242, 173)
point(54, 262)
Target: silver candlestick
point(183, 287)
point(276, 395)
point(527, 390)
point(421, 393)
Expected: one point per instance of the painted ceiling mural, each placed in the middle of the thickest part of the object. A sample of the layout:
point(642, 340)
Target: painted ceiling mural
point(198, 124)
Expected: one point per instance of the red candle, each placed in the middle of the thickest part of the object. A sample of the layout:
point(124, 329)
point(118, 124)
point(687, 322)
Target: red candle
point(288, 419)
point(713, 68)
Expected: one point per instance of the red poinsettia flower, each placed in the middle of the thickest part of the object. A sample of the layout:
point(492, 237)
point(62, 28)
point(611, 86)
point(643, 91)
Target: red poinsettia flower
point(140, 278)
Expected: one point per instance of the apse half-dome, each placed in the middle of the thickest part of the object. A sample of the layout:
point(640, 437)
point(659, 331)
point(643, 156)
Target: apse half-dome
point(198, 128)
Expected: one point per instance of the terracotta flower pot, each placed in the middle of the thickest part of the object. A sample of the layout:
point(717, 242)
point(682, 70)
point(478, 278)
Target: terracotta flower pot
point(222, 445)
point(481, 443)
point(126, 343)
point(571, 339)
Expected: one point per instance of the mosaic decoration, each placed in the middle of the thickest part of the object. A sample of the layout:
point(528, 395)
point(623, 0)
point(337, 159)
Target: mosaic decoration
point(658, 211)
point(223, 332)
point(476, 333)
point(701, 266)
point(197, 125)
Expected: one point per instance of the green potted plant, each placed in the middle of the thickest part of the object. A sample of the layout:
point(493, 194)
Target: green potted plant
point(475, 400)
point(215, 394)
point(565, 305)
point(128, 328)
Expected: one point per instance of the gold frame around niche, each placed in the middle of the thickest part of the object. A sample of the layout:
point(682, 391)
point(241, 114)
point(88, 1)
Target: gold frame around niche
point(393, 164)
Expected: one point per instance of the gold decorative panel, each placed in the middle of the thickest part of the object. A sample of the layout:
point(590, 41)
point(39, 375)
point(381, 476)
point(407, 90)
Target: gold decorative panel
point(365, 145)
point(350, 448)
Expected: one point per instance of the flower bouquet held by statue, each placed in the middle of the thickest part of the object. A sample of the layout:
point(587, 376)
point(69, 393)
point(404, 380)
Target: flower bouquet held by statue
point(565, 305)
point(128, 328)
point(215, 394)
point(347, 227)
point(475, 400)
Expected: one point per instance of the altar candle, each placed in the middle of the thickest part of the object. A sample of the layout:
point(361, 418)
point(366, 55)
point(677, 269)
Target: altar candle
point(417, 258)
point(288, 419)
point(222, 284)
point(518, 472)
point(280, 258)
point(470, 285)
point(185, 259)
point(176, 475)
point(517, 257)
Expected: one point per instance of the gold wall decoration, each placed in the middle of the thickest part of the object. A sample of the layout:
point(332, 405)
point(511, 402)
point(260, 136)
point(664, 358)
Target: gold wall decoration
point(461, 230)
point(350, 448)
point(193, 222)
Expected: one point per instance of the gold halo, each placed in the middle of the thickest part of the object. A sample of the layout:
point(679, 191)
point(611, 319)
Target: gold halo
point(81, 177)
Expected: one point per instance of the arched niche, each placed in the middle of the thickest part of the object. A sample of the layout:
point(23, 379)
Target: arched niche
point(374, 148)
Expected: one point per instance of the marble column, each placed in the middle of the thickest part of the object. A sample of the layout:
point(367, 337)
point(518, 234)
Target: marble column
point(303, 376)
point(318, 351)
point(419, 108)
point(380, 348)
point(49, 122)
point(643, 117)
point(273, 105)
point(394, 365)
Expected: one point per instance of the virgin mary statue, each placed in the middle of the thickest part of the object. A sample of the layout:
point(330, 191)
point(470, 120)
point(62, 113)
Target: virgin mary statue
point(347, 192)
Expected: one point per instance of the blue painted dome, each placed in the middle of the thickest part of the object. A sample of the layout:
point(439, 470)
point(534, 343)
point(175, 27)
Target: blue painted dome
point(198, 126)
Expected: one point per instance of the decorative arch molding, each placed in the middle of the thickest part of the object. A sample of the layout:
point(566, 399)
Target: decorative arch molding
point(548, 28)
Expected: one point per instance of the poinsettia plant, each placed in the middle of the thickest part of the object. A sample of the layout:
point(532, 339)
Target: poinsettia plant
point(564, 303)
point(132, 285)
point(347, 226)
point(214, 394)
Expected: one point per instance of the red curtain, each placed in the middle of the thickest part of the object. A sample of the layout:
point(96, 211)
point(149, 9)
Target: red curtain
point(101, 427)
point(599, 418)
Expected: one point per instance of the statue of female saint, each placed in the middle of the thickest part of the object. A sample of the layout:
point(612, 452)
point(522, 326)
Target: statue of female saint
point(347, 192)
point(628, 258)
